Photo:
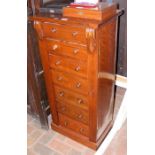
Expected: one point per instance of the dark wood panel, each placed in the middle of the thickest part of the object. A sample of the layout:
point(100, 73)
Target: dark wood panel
point(107, 71)
point(34, 5)
point(122, 40)
point(37, 99)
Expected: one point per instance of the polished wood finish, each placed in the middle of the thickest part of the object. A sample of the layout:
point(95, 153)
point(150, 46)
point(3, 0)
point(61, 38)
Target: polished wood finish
point(73, 112)
point(98, 14)
point(64, 95)
point(106, 65)
point(67, 49)
point(80, 87)
point(71, 82)
point(74, 33)
point(69, 65)
point(74, 125)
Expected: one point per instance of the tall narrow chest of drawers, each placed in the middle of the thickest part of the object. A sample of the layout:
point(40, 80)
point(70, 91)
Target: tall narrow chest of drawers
point(78, 57)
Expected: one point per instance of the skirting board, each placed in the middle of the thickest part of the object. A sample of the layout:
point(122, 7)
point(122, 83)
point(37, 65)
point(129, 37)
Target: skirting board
point(121, 81)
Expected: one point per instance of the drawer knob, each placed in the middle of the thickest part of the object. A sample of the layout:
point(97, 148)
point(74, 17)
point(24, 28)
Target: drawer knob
point(55, 47)
point(53, 30)
point(61, 94)
point(59, 78)
point(74, 34)
point(80, 101)
point(77, 68)
point(75, 51)
point(78, 85)
point(65, 123)
point(80, 116)
point(63, 109)
point(58, 62)
point(81, 130)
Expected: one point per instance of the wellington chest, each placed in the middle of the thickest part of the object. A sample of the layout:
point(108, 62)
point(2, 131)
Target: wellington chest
point(78, 57)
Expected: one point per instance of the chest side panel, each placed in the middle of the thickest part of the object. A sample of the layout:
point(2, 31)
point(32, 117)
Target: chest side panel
point(106, 74)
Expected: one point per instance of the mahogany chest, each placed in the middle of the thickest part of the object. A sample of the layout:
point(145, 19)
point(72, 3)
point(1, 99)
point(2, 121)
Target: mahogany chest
point(78, 57)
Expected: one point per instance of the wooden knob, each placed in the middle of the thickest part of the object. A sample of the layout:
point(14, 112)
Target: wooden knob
point(58, 62)
point(65, 123)
point(74, 34)
point(80, 116)
point(80, 101)
point(75, 51)
point(53, 30)
point(59, 78)
point(78, 85)
point(61, 94)
point(63, 108)
point(55, 47)
point(77, 68)
point(81, 130)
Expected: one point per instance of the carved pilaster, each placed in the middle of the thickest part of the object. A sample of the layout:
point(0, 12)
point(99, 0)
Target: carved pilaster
point(91, 35)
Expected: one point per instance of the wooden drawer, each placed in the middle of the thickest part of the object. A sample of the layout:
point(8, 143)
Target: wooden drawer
point(73, 125)
point(63, 95)
point(64, 32)
point(73, 112)
point(72, 82)
point(67, 49)
point(68, 65)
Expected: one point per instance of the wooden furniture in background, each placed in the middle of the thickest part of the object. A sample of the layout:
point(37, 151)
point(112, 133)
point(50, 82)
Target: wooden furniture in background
point(79, 61)
point(37, 103)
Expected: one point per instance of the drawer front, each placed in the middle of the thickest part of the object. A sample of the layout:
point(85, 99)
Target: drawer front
point(64, 95)
point(73, 125)
point(68, 65)
point(64, 32)
point(67, 49)
point(79, 85)
point(73, 112)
